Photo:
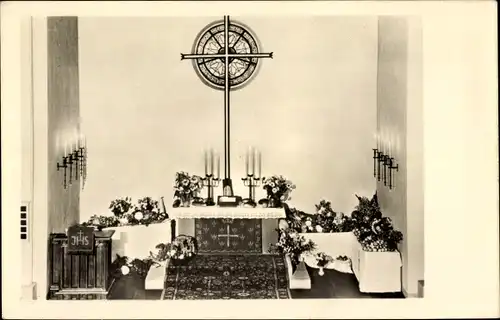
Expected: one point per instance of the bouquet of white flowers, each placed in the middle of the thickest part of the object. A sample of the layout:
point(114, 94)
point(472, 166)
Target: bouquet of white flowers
point(181, 250)
point(187, 187)
point(278, 190)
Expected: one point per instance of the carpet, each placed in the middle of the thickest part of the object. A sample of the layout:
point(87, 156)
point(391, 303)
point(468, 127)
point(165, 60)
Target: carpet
point(228, 277)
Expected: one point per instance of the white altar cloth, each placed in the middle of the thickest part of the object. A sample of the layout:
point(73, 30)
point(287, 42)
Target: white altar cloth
point(226, 213)
point(136, 241)
point(379, 271)
point(334, 244)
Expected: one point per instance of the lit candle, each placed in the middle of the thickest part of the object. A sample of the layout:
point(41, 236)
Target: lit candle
point(376, 136)
point(246, 163)
point(397, 145)
point(218, 166)
point(252, 161)
point(389, 147)
point(385, 142)
point(211, 161)
point(76, 138)
point(206, 161)
point(259, 155)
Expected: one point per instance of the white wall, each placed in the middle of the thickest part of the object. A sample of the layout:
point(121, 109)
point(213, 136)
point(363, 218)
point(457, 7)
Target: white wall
point(400, 119)
point(27, 145)
point(311, 110)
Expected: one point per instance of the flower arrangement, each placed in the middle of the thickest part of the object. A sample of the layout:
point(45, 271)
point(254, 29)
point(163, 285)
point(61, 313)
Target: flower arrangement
point(374, 232)
point(125, 213)
point(327, 220)
point(342, 258)
point(324, 221)
point(181, 250)
point(293, 244)
point(278, 190)
point(186, 187)
point(323, 259)
point(100, 222)
point(161, 254)
point(121, 206)
point(147, 211)
point(123, 266)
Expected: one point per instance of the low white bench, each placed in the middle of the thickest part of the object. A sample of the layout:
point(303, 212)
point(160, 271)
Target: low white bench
point(155, 280)
point(300, 278)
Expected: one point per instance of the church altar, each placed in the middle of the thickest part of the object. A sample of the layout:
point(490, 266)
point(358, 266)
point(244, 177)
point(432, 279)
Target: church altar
point(226, 213)
point(229, 229)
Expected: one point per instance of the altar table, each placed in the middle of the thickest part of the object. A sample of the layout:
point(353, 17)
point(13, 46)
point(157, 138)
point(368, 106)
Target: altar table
point(191, 219)
point(226, 212)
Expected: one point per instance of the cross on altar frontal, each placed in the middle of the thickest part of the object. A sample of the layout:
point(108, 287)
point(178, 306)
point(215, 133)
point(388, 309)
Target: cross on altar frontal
point(228, 235)
point(226, 55)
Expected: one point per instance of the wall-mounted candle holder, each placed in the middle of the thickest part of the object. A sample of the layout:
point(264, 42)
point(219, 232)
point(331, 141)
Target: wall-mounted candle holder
point(74, 166)
point(64, 166)
point(383, 166)
point(81, 155)
point(376, 163)
point(392, 166)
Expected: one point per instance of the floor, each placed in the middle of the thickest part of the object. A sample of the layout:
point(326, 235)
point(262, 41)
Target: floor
point(332, 284)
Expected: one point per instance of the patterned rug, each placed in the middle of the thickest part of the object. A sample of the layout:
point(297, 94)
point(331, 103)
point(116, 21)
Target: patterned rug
point(228, 277)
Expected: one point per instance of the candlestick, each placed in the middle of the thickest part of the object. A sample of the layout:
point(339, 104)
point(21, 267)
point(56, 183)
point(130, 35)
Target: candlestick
point(251, 182)
point(210, 182)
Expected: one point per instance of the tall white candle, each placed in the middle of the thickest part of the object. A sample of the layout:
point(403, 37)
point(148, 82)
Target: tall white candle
point(384, 141)
point(389, 148)
point(205, 156)
point(76, 138)
point(260, 164)
point(218, 166)
point(212, 161)
point(252, 161)
point(246, 163)
point(376, 137)
point(397, 145)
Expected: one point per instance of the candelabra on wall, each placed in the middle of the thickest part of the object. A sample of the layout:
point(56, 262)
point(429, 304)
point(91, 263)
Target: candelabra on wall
point(74, 160)
point(383, 162)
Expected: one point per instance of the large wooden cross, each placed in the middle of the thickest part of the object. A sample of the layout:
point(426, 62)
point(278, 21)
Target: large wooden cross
point(226, 55)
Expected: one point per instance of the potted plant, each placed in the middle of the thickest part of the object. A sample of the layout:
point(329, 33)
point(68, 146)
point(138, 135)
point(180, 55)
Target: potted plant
point(160, 257)
point(322, 260)
point(120, 208)
point(292, 244)
point(186, 188)
point(181, 250)
point(278, 190)
point(374, 232)
point(342, 264)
